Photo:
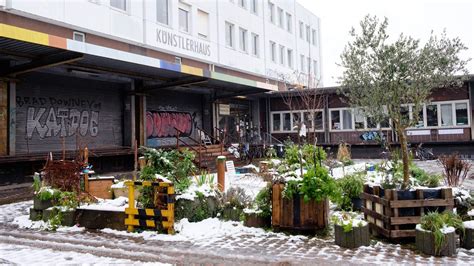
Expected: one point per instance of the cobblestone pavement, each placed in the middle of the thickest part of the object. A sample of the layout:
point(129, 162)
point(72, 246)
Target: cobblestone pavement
point(243, 249)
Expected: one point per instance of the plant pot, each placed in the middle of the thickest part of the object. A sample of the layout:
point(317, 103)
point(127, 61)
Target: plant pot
point(357, 204)
point(35, 215)
point(69, 218)
point(40, 205)
point(467, 240)
point(358, 236)
point(231, 213)
point(425, 242)
point(253, 220)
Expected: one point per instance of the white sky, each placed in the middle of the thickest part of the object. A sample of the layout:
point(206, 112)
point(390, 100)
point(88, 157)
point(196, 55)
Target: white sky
point(416, 18)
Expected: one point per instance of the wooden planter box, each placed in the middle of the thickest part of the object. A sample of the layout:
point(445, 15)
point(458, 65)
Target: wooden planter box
point(358, 236)
point(40, 205)
point(425, 242)
point(295, 214)
point(100, 187)
point(253, 220)
point(395, 213)
point(467, 240)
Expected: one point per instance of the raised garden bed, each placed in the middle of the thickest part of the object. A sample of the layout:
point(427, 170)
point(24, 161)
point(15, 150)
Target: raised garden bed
point(395, 213)
point(100, 187)
point(253, 220)
point(296, 215)
point(100, 219)
point(358, 236)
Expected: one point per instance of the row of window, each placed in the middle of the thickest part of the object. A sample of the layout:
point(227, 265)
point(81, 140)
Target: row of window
point(253, 5)
point(285, 58)
point(434, 115)
point(243, 39)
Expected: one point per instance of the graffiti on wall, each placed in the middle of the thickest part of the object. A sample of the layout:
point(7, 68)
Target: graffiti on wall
point(55, 117)
point(162, 124)
point(372, 135)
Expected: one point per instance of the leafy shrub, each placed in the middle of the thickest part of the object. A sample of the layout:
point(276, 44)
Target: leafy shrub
point(434, 222)
point(234, 201)
point(196, 210)
point(350, 186)
point(36, 183)
point(343, 153)
point(147, 193)
point(69, 200)
point(263, 200)
point(47, 193)
point(423, 178)
point(313, 155)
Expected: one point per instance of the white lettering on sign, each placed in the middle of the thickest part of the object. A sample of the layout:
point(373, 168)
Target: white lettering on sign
point(181, 42)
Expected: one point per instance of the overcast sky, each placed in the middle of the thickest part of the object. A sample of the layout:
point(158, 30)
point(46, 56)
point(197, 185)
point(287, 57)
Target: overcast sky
point(412, 17)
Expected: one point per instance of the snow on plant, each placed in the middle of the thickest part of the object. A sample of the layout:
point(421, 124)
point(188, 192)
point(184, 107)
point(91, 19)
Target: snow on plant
point(348, 220)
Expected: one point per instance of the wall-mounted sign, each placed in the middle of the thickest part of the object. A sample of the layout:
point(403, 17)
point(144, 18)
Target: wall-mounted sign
point(224, 109)
point(182, 42)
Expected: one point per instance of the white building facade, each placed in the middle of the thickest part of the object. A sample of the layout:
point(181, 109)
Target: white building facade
point(272, 39)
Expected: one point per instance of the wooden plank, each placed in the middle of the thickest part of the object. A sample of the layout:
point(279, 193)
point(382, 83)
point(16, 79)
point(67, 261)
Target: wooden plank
point(379, 230)
point(419, 195)
point(421, 203)
point(375, 199)
point(402, 233)
point(405, 220)
point(276, 207)
point(376, 215)
point(447, 194)
point(395, 211)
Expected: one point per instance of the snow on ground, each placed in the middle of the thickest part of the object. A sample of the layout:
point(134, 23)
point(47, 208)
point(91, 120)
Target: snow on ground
point(339, 172)
point(26, 255)
point(118, 204)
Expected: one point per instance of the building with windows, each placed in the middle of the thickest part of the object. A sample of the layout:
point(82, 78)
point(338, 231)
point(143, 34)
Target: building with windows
point(108, 73)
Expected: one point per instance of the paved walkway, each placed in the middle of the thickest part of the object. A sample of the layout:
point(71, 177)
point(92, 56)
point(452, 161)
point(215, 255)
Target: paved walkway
point(241, 249)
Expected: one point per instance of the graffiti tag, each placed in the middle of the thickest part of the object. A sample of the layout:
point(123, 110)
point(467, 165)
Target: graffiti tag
point(372, 135)
point(162, 124)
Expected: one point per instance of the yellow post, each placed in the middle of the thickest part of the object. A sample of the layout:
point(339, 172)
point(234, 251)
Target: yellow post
point(131, 202)
point(170, 191)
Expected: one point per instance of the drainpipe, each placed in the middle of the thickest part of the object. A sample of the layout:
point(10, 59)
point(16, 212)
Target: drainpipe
point(471, 102)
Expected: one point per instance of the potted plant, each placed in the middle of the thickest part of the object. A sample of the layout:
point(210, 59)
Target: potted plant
point(351, 187)
point(234, 201)
point(65, 212)
point(436, 233)
point(350, 230)
point(260, 215)
point(44, 198)
point(467, 239)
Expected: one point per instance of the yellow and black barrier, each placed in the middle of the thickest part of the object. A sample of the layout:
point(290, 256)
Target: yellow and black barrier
point(150, 217)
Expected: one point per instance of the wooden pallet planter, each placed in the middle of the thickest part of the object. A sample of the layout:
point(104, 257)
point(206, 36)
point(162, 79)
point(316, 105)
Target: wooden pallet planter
point(394, 213)
point(295, 214)
point(358, 236)
point(163, 216)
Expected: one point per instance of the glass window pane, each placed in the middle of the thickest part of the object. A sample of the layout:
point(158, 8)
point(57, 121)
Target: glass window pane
point(229, 32)
point(371, 124)
point(335, 120)
point(203, 24)
point(162, 11)
point(420, 120)
point(446, 115)
point(347, 119)
point(296, 120)
point(307, 119)
point(359, 119)
point(432, 115)
point(276, 122)
point(318, 120)
point(120, 4)
point(287, 121)
point(461, 114)
point(405, 114)
point(183, 20)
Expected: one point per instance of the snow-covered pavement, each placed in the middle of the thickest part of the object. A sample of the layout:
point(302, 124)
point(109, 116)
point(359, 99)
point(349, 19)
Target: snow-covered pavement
point(207, 242)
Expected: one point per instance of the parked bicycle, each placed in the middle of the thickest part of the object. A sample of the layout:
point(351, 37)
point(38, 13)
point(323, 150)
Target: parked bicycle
point(423, 153)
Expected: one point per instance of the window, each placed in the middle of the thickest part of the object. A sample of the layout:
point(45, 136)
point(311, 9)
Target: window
point(302, 62)
point(280, 17)
point(183, 19)
point(276, 122)
point(420, 119)
point(162, 11)
point(295, 121)
point(405, 113)
point(254, 6)
point(359, 119)
point(446, 114)
point(461, 114)
point(301, 29)
point(289, 58)
point(273, 51)
point(371, 124)
point(346, 119)
point(282, 54)
point(315, 68)
point(288, 22)
point(271, 11)
point(286, 122)
point(313, 37)
point(307, 33)
point(79, 36)
point(242, 3)
point(335, 120)
point(255, 44)
point(119, 4)
point(243, 39)
point(432, 115)
point(318, 120)
point(229, 34)
point(203, 24)
point(308, 119)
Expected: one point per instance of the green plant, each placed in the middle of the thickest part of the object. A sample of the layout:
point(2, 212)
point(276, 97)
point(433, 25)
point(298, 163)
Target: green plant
point(435, 222)
point(350, 186)
point(316, 185)
point(313, 155)
point(36, 183)
point(47, 193)
point(147, 197)
point(347, 220)
point(68, 200)
point(263, 200)
point(205, 179)
point(270, 152)
point(55, 219)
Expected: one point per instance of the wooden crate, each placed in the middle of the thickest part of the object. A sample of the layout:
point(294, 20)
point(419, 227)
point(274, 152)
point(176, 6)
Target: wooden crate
point(295, 214)
point(396, 218)
point(101, 187)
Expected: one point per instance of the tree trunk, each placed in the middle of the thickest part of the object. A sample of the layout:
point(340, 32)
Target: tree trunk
point(405, 156)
